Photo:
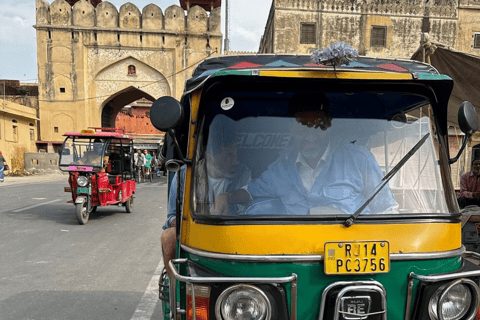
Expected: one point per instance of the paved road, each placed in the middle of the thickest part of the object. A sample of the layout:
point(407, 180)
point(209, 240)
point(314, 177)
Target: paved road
point(53, 268)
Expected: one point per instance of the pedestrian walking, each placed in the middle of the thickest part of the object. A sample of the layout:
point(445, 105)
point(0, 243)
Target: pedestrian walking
point(3, 164)
point(139, 160)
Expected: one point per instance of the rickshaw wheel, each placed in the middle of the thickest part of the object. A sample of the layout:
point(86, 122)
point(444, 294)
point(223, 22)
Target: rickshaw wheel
point(129, 205)
point(82, 213)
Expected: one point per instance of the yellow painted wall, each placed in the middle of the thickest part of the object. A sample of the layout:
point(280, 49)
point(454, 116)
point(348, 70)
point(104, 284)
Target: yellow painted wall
point(13, 146)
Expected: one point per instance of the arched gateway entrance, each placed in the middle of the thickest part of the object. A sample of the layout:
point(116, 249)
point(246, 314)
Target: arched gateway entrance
point(113, 106)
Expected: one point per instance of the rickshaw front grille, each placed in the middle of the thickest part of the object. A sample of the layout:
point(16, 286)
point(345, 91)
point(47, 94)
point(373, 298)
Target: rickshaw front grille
point(356, 300)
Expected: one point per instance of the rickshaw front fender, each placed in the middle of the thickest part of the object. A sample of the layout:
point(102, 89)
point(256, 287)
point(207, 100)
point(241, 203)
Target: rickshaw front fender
point(80, 200)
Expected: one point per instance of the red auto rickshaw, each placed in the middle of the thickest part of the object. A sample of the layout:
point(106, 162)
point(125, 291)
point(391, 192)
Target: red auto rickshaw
point(100, 166)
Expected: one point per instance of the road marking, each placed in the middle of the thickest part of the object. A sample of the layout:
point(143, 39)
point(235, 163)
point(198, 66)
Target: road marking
point(36, 205)
point(147, 304)
point(39, 198)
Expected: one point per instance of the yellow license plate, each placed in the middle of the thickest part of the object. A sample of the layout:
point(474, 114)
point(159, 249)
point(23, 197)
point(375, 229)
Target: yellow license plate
point(363, 257)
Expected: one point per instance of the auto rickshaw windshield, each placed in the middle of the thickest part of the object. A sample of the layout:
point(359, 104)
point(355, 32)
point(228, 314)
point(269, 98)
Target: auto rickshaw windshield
point(82, 151)
point(288, 167)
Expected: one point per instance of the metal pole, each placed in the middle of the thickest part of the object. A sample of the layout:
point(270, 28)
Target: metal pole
point(227, 44)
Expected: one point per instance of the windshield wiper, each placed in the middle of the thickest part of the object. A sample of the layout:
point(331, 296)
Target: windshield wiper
point(385, 180)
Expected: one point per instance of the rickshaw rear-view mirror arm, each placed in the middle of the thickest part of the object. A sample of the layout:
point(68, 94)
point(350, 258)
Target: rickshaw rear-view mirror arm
point(387, 178)
point(182, 159)
point(464, 144)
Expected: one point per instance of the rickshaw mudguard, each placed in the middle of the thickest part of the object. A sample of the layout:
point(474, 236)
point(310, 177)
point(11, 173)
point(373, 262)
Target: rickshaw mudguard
point(80, 200)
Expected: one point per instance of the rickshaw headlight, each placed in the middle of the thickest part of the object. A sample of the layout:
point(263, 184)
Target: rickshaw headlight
point(244, 302)
point(82, 181)
point(455, 300)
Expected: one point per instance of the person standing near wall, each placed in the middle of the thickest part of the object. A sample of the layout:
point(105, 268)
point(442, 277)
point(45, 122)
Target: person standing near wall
point(2, 166)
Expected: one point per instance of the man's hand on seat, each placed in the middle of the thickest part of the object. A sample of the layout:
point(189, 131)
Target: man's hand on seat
point(220, 207)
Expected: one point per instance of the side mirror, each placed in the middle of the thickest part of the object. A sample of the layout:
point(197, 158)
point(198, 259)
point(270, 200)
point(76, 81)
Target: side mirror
point(468, 122)
point(166, 113)
point(467, 118)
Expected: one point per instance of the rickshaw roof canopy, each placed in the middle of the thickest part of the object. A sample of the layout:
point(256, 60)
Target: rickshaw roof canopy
point(250, 64)
point(95, 132)
point(363, 74)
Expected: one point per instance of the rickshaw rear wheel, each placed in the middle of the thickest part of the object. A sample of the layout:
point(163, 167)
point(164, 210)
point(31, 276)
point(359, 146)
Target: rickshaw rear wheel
point(129, 205)
point(82, 213)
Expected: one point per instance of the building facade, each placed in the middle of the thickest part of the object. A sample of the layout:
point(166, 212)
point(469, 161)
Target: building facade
point(92, 61)
point(390, 28)
point(18, 121)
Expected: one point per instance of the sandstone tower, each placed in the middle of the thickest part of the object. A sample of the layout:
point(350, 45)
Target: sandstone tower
point(94, 61)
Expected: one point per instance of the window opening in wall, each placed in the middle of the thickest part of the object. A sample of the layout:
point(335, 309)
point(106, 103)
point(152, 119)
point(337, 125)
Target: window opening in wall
point(476, 41)
point(49, 35)
point(186, 41)
point(307, 33)
point(14, 121)
point(163, 39)
point(31, 125)
point(62, 90)
point(42, 147)
point(378, 36)
point(95, 36)
point(55, 129)
point(15, 133)
point(32, 134)
point(73, 36)
point(118, 37)
point(132, 70)
point(141, 38)
point(56, 147)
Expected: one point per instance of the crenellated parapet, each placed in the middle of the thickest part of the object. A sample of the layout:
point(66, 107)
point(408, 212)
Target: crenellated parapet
point(128, 17)
point(60, 13)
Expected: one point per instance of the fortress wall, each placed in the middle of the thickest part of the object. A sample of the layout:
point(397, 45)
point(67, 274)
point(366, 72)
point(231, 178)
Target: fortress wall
point(84, 55)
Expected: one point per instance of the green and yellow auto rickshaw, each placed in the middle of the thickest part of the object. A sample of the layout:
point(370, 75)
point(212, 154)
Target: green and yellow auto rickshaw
point(372, 230)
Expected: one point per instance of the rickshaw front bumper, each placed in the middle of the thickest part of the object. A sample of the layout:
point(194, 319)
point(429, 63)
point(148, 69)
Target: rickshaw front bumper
point(437, 296)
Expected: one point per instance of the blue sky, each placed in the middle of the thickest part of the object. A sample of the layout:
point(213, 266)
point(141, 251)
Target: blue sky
point(18, 52)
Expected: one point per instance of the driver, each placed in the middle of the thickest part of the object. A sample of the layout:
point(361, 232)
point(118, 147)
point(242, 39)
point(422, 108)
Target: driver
point(93, 156)
point(317, 175)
